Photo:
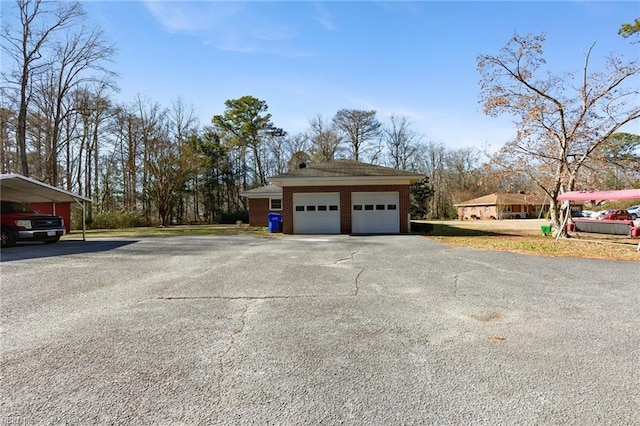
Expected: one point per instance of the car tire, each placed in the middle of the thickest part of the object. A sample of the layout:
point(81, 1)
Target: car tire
point(8, 239)
point(633, 216)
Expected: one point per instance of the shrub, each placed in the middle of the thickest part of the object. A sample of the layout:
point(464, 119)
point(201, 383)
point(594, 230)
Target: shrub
point(116, 220)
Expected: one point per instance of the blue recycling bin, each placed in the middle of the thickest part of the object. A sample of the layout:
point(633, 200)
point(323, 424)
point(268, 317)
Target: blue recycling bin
point(275, 222)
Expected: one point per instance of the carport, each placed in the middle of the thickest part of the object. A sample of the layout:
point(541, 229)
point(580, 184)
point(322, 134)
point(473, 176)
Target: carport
point(26, 190)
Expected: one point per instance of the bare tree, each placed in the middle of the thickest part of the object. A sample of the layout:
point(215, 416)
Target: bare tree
point(76, 58)
point(561, 119)
point(402, 143)
point(128, 134)
point(169, 165)
point(182, 125)
point(93, 108)
point(433, 163)
point(359, 127)
point(183, 121)
point(8, 153)
point(286, 152)
point(26, 47)
point(324, 139)
point(151, 117)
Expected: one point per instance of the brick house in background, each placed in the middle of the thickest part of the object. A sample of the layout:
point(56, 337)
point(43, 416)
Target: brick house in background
point(338, 197)
point(503, 206)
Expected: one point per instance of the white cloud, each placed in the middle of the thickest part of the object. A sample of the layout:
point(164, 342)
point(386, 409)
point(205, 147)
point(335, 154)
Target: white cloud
point(323, 17)
point(192, 17)
point(230, 26)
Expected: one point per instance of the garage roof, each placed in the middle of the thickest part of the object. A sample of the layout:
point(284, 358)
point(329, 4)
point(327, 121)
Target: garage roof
point(263, 192)
point(346, 169)
point(23, 189)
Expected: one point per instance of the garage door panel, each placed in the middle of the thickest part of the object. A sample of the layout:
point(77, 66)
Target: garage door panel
point(375, 212)
point(316, 213)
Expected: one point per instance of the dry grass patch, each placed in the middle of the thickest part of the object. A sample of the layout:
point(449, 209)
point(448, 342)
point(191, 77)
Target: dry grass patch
point(525, 237)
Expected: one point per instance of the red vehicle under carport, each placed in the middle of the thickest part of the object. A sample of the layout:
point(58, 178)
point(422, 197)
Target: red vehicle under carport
point(46, 199)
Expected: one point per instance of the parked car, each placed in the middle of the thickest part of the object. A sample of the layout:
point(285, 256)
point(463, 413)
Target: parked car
point(617, 215)
point(21, 223)
point(634, 211)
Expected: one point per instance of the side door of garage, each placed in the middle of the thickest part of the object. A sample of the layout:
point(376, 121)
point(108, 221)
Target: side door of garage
point(316, 213)
point(375, 213)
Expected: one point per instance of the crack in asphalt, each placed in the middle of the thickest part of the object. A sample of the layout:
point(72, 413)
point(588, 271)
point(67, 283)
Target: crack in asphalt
point(232, 341)
point(455, 285)
point(251, 298)
point(357, 283)
point(347, 258)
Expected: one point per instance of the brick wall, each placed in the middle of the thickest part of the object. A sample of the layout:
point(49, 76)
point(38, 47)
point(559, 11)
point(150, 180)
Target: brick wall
point(345, 203)
point(259, 211)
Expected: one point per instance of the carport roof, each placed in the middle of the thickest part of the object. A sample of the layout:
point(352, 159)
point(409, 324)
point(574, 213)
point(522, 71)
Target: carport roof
point(23, 189)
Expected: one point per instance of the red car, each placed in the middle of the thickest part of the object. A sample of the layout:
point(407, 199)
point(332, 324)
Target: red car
point(617, 215)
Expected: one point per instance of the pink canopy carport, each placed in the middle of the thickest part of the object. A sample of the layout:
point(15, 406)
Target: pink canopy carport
point(623, 194)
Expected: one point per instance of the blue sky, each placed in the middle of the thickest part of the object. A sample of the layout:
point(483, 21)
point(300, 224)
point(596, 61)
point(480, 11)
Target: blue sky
point(414, 59)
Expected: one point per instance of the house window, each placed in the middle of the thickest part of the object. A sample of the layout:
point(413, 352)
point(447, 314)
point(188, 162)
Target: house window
point(275, 203)
point(379, 206)
point(322, 208)
point(357, 207)
point(299, 208)
point(311, 208)
point(391, 206)
point(333, 208)
point(368, 206)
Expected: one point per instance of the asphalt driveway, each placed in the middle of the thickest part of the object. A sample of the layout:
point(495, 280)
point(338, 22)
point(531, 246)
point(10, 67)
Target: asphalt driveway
point(314, 330)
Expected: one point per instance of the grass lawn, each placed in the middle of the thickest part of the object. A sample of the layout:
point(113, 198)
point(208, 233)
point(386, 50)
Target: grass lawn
point(524, 236)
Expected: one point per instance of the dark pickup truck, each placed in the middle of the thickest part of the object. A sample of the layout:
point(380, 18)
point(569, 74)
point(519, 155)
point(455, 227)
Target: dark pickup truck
point(21, 223)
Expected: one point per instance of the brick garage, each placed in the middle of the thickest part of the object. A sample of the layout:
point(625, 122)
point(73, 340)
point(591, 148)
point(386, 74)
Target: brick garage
point(345, 203)
point(343, 196)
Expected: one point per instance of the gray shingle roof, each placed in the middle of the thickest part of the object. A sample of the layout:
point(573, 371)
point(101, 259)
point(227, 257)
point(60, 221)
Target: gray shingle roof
point(262, 190)
point(345, 168)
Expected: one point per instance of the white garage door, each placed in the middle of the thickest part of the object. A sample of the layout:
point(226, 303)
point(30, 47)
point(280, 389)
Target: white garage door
point(316, 213)
point(375, 213)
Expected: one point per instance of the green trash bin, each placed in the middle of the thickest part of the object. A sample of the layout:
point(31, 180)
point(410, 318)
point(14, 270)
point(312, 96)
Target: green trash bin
point(546, 229)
